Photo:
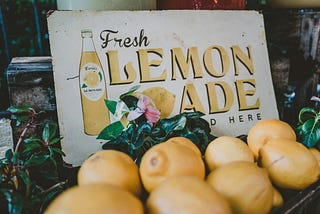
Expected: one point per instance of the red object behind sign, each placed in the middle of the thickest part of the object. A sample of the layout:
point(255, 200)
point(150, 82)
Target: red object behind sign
point(202, 4)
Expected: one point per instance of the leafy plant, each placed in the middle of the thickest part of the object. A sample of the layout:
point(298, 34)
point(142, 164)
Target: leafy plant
point(29, 174)
point(135, 137)
point(309, 127)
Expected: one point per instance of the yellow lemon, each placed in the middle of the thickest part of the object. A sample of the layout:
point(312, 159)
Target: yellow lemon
point(316, 154)
point(267, 129)
point(112, 167)
point(226, 149)
point(95, 199)
point(187, 195)
point(289, 163)
point(169, 159)
point(277, 198)
point(185, 142)
point(245, 186)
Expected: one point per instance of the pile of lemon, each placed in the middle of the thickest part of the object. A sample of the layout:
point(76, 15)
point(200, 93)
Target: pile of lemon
point(174, 177)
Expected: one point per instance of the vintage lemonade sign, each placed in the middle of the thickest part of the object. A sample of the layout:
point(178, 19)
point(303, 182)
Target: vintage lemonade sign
point(215, 62)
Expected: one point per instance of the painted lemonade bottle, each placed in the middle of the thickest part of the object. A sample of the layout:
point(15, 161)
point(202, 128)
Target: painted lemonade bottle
point(92, 87)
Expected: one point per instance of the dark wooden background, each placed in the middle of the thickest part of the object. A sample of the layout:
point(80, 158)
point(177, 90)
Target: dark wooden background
point(294, 52)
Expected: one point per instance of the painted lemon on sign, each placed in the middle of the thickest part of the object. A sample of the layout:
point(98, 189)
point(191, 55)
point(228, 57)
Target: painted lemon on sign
point(163, 99)
point(92, 79)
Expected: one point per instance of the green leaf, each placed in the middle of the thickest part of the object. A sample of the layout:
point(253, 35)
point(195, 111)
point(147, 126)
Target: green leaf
point(131, 90)
point(53, 128)
point(49, 132)
point(57, 150)
point(25, 178)
point(310, 131)
point(33, 140)
point(306, 114)
point(31, 146)
point(130, 101)
point(312, 139)
point(111, 131)
point(20, 119)
point(176, 123)
point(9, 155)
point(142, 131)
point(55, 140)
point(307, 126)
point(15, 201)
point(15, 158)
point(46, 133)
point(193, 115)
point(20, 109)
point(36, 160)
point(111, 105)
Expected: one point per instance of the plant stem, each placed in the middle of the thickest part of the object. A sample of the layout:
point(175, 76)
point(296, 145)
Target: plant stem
point(54, 186)
point(22, 137)
point(49, 190)
point(30, 122)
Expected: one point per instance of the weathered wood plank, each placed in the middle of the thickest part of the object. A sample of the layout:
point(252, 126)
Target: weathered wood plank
point(30, 80)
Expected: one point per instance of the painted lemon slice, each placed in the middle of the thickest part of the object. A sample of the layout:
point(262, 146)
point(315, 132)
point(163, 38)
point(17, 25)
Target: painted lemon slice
point(92, 79)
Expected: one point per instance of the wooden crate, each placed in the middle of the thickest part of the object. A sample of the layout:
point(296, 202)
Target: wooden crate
point(30, 81)
point(301, 202)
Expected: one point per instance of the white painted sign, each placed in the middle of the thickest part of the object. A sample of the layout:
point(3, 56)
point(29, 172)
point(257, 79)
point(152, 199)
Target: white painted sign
point(211, 61)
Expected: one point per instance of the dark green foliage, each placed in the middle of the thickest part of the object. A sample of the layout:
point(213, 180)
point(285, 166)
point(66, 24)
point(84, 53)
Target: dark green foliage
point(29, 174)
point(138, 136)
